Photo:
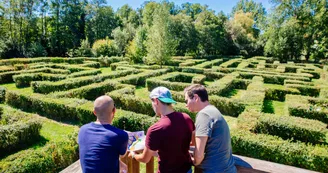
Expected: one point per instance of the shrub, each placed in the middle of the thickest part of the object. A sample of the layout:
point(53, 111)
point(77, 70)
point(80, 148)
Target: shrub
point(104, 47)
point(131, 121)
point(19, 135)
point(58, 109)
point(227, 106)
point(23, 80)
point(47, 87)
point(275, 149)
point(305, 90)
point(294, 128)
point(140, 79)
point(91, 92)
point(223, 85)
point(84, 73)
point(53, 157)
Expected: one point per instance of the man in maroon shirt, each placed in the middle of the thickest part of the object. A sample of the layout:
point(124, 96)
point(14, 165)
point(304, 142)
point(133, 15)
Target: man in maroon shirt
point(170, 136)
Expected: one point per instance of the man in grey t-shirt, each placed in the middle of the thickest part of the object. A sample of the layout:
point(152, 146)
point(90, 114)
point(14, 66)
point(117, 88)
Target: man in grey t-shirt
point(213, 153)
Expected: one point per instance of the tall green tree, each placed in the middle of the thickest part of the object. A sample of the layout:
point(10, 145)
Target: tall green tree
point(161, 45)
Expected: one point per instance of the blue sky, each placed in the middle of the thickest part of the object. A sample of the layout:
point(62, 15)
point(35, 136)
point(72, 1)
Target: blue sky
point(217, 5)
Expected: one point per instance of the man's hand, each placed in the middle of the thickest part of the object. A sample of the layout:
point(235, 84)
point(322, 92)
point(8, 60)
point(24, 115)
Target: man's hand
point(123, 167)
point(132, 153)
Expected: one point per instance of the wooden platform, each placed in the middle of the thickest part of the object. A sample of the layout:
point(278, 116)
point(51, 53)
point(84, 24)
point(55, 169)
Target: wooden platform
point(243, 164)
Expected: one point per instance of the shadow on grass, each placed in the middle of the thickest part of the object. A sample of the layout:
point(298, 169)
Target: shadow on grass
point(230, 94)
point(268, 107)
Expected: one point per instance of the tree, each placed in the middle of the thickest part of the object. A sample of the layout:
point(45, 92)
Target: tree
point(256, 9)
point(244, 36)
point(128, 16)
point(137, 47)
point(184, 31)
point(212, 40)
point(160, 43)
point(122, 37)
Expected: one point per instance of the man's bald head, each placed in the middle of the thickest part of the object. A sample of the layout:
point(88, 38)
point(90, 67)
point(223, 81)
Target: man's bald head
point(103, 106)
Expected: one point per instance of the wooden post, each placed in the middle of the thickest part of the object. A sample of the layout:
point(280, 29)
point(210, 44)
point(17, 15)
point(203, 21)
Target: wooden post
point(135, 166)
point(150, 166)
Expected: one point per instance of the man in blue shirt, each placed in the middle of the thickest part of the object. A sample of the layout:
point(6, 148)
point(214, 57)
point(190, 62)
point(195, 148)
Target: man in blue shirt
point(100, 144)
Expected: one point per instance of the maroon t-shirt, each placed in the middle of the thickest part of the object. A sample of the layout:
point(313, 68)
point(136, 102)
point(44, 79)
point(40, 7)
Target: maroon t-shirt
point(171, 137)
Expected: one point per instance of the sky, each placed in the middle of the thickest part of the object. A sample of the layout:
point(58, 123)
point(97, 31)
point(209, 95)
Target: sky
point(216, 5)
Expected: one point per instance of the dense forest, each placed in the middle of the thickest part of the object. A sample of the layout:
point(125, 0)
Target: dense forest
point(293, 29)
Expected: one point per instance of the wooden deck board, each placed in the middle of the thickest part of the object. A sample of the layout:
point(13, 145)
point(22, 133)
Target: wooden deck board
point(243, 164)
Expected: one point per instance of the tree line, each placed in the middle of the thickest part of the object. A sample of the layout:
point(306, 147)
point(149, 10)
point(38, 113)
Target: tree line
point(157, 30)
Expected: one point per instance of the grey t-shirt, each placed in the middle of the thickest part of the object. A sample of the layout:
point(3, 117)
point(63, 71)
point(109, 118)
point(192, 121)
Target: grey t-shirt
point(218, 152)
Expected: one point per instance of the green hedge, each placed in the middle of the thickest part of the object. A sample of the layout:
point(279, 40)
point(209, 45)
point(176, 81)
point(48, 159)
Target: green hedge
point(44, 59)
point(298, 82)
point(24, 80)
point(19, 135)
point(84, 73)
point(227, 106)
point(211, 76)
point(305, 90)
point(131, 121)
point(91, 92)
point(47, 87)
point(130, 102)
point(91, 64)
point(140, 79)
point(210, 64)
point(273, 79)
point(279, 94)
point(255, 94)
point(300, 107)
point(223, 85)
point(7, 77)
point(191, 70)
point(53, 157)
point(106, 61)
point(231, 63)
point(295, 128)
point(275, 149)
point(168, 81)
point(58, 109)
point(2, 94)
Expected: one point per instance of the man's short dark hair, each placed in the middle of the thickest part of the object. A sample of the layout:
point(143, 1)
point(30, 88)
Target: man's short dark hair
point(198, 89)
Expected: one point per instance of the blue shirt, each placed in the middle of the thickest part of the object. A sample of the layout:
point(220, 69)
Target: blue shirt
point(100, 147)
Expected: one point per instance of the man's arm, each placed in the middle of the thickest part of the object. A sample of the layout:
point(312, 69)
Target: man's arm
point(145, 156)
point(199, 149)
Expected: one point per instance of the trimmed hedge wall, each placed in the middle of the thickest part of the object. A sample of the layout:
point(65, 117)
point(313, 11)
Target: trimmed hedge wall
point(295, 128)
point(7, 77)
point(53, 157)
point(140, 79)
point(84, 73)
point(19, 135)
point(305, 89)
point(35, 60)
point(59, 109)
point(300, 107)
point(209, 64)
point(168, 81)
point(223, 85)
point(132, 103)
point(279, 94)
point(47, 87)
point(24, 80)
point(227, 106)
point(275, 149)
point(131, 121)
point(91, 92)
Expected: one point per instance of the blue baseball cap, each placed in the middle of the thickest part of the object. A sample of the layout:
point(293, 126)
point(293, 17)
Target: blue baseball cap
point(163, 94)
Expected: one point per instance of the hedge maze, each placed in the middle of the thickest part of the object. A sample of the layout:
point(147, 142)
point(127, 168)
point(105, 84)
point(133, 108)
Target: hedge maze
point(276, 111)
